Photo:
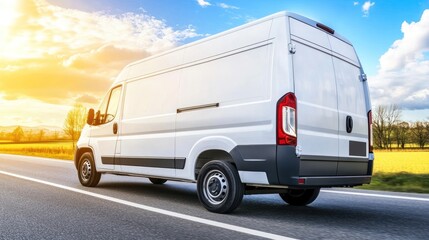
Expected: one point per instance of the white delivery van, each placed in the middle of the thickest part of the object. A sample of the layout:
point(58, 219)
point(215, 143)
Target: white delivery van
point(278, 105)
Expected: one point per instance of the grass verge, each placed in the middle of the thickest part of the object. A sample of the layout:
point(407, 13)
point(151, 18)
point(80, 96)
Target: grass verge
point(58, 150)
point(399, 182)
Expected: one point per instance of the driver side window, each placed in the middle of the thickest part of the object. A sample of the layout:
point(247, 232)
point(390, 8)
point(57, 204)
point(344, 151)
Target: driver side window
point(109, 107)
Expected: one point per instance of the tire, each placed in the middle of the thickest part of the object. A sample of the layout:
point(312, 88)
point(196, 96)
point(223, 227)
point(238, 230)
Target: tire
point(157, 181)
point(300, 197)
point(219, 187)
point(87, 173)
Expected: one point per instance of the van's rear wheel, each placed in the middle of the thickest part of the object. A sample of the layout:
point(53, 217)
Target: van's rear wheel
point(157, 180)
point(219, 187)
point(88, 175)
point(300, 197)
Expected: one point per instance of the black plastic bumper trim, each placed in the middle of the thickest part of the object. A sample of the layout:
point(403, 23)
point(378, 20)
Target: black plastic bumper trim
point(175, 163)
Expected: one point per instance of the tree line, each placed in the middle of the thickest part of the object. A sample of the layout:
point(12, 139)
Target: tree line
point(20, 135)
point(73, 125)
point(389, 130)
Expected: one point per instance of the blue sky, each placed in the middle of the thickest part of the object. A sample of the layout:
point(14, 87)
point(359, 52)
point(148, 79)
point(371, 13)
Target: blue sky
point(372, 33)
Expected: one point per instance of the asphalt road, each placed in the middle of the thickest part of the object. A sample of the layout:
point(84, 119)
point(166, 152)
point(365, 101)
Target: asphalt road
point(43, 199)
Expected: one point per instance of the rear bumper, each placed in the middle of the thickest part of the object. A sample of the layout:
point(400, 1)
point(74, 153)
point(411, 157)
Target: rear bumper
point(282, 167)
point(320, 171)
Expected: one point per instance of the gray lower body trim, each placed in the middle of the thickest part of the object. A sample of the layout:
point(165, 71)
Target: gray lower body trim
point(108, 160)
point(175, 163)
point(258, 158)
point(283, 167)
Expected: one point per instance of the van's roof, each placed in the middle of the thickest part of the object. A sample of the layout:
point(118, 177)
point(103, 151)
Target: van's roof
point(267, 18)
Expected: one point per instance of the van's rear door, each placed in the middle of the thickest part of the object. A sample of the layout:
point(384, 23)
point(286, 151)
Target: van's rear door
point(353, 121)
point(317, 106)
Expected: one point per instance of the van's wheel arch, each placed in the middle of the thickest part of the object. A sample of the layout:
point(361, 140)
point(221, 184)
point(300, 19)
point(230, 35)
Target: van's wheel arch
point(87, 172)
point(300, 197)
point(157, 181)
point(219, 187)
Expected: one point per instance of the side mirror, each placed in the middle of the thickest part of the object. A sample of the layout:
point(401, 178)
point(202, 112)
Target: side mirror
point(90, 118)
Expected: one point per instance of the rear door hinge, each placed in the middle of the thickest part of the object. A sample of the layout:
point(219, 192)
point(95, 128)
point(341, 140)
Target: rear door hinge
point(292, 48)
point(363, 77)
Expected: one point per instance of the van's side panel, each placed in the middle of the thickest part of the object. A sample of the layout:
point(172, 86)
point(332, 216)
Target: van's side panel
point(237, 84)
point(155, 65)
point(282, 73)
point(148, 125)
point(227, 42)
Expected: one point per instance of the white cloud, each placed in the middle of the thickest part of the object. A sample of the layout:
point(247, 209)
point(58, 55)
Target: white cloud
point(226, 6)
point(47, 29)
point(403, 74)
point(366, 6)
point(68, 50)
point(355, 3)
point(203, 3)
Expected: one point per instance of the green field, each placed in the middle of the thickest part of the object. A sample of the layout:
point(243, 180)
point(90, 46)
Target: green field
point(55, 149)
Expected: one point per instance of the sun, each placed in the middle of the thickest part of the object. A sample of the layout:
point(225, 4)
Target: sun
point(8, 13)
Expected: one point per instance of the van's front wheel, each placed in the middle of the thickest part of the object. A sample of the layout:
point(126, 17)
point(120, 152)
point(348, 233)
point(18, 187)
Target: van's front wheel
point(300, 197)
point(219, 187)
point(88, 175)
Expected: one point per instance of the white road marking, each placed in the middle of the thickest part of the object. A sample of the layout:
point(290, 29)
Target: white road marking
point(377, 195)
point(156, 210)
point(34, 159)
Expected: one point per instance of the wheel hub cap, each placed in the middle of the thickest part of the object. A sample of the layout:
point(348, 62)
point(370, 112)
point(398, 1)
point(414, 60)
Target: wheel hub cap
point(86, 170)
point(215, 187)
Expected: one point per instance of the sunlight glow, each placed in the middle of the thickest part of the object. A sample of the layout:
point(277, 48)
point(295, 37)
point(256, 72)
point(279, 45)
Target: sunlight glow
point(8, 13)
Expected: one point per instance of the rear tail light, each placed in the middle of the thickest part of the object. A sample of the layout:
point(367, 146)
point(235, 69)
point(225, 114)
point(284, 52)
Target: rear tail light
point(286, 120)
point(370, 148)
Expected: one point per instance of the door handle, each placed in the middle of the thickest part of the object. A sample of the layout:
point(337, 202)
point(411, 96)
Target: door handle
point(349, 124)
point(115, 128)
